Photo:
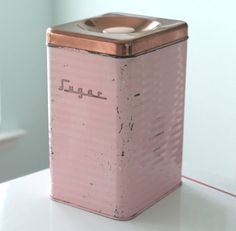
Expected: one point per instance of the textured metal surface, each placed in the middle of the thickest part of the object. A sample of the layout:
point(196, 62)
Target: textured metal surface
point(118, 151)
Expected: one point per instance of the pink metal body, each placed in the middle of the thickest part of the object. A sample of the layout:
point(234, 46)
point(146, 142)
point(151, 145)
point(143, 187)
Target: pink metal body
point(116, 128)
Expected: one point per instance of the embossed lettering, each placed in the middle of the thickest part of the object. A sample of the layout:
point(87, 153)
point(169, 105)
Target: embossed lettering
point(70, 89)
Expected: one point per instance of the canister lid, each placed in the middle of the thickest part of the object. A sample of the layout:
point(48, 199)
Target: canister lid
point(118, 34)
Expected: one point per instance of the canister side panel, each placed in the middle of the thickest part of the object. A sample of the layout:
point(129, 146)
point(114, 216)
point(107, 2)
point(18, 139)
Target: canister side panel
point(151, 109)
point(83, 129)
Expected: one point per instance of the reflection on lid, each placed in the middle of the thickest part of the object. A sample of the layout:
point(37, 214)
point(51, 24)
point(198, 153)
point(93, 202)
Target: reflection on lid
point(118, 34)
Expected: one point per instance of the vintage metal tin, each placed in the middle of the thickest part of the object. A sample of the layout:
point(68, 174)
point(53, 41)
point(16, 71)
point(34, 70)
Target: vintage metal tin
point(116, 108)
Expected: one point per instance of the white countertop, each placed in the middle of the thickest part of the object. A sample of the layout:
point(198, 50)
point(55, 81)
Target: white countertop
point(25, 205)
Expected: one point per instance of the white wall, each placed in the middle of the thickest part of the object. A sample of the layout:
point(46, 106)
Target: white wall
point(210, 126)
point(23, 85)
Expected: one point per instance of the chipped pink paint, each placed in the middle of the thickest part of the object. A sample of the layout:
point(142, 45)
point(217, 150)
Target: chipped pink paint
point(119, 154)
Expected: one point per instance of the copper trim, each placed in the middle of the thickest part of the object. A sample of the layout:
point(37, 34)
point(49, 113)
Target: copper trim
point(148, 33)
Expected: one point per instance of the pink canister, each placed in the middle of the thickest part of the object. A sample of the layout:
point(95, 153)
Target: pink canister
point(116, 107)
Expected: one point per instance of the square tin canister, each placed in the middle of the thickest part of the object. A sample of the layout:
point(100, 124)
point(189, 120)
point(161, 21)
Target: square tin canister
point(116, 108)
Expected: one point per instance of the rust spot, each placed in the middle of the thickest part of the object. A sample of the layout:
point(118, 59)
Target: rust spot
point(117, 110)
point(138, 94)
point(121, 127)
point(116, 213)
point(131, 127)
point(159, 133)
point(156, 149)
point(131, 124)
point(123, 153)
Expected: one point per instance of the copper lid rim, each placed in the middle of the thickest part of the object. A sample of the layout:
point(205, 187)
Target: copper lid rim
point(122, 56)
point(129, 44)
point(96, 37)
